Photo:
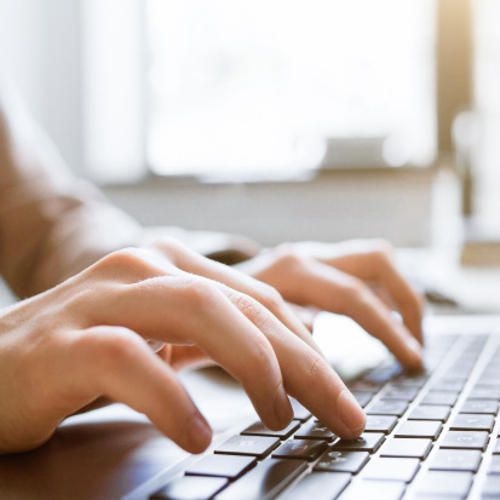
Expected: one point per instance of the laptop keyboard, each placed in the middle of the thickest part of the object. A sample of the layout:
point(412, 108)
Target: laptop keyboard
point(428, 435)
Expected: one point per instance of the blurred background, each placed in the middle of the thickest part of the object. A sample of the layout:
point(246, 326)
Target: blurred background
point(281, 120)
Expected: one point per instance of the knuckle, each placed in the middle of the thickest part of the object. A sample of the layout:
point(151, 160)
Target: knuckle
point(170, 246)
point(317, 368)
point(353, 292)
point(250, 308)
point(113, 345)
point(270, 298)
point(124, 258)
point(198, 292)
point(287, 256)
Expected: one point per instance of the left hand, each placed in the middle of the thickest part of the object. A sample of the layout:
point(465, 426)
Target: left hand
point(356, 278)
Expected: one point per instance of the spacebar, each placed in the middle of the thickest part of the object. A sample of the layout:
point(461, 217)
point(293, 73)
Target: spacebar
point(264, 481)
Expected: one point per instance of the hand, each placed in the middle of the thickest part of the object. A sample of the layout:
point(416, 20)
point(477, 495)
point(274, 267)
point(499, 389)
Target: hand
point(85, 339)
point(354, 278)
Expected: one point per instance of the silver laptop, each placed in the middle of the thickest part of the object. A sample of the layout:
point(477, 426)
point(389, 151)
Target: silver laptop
point(429, 435)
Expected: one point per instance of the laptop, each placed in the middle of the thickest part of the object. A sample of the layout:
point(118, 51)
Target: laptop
point(430, 435)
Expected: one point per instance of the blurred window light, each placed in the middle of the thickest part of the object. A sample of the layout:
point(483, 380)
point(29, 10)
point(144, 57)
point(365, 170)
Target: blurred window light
point(487, 98)
point(268, 87)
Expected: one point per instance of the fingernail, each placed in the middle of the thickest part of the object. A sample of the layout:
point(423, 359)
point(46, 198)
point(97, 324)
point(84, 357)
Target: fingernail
point(350, 412)
point(200, 433)
point(282, 407)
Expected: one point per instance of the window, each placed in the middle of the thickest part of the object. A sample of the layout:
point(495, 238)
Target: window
point(487, 96)
point(273, 87)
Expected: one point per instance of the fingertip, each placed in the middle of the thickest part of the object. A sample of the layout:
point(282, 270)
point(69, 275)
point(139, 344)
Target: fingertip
point(351, 413)
point(199, 435)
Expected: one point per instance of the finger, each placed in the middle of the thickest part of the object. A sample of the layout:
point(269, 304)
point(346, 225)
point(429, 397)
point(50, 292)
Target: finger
point(192, 262)
point(117, 363)
point(308, 377)
point(335, 291)
point(377, 266)
point(187, 310)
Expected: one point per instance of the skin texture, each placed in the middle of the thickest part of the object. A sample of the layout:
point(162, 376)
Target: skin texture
point(85, 339)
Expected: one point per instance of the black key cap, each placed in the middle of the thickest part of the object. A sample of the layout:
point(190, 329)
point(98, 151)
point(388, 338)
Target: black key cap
point(494, 465)
point(259, 429)
point(471, 422)
point(388, 407)
point(222, 466)
point(319, 486)
point(367, 489)
point(420, 429)
point(393, 469)
point(368, 441)
point(255, 446)
point(315, 430)
point(407, 448)
point(491, 487)
point(379, 423)
point(190, 488)
point(465, 440)
point(363, 398)
point(264, 481)
point(430, 413)
point(440, 398)
point(406, 393)
point(299, 412)
point(459, 460)
point(446, 483)
point(342, 461)
point(480, 406)
point(485, 392)
point(305, 449)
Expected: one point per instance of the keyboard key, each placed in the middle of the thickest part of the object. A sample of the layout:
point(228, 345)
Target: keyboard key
point(190, 488)
point(315, 430)
point(411, 380)
point(496, 448)
point(305, 449)
point(480, 406)
point(319, 486)
point(342, 461)
point(264, 481)
point(491, 487)
point(222, 466)
point(368, 441)
point(385, 373)
point(395, 469)
point(440, 398)
point(386, 490)
point(446, 483)
point(365, 386)
point(407, 393)
point(430, 413)
point(259, 429)
point(471, 422)
point(388, 407)
point(407, 448)
point(363, 398)
point(299, 412)
point(485, 392)
point(466, 440)
point(448, 385)
point(494, 465)
point(420, 429)
point(256, 446)
point(459, 460)
point(379, 423)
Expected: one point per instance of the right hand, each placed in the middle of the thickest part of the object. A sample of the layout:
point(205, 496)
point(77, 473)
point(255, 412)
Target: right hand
point(84, 339)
